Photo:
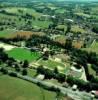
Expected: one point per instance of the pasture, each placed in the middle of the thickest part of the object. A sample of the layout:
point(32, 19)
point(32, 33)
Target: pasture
point(17, 89)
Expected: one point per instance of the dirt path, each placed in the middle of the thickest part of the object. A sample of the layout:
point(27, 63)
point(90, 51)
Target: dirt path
point(6, 47)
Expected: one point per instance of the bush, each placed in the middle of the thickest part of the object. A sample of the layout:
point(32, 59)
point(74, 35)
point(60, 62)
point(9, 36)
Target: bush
point(13, 74)
point(24, 72)
point(4, 71)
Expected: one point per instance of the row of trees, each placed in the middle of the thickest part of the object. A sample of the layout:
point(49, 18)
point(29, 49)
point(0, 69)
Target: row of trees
point(82, 85)
point(11, 62)
point(49, 74)
point(36, 40)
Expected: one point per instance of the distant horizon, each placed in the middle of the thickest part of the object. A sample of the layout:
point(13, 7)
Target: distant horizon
point(77, 0)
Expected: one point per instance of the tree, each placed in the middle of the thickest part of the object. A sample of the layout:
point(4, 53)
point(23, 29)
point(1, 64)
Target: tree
point(24, 72)
point(17, 68)
point(56, 70)
point(95, 28)
point(1, 28)
point(25, 64)
point(40, 70)
point(61, 77)
point(46, 55)
point(4, 71)
point(13, 74)
point(68, 27)
point(68, 44)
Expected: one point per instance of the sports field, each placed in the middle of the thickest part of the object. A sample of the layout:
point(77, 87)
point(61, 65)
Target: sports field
point(23, 54)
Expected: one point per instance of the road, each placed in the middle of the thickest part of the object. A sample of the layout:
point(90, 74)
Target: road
point(78, 95)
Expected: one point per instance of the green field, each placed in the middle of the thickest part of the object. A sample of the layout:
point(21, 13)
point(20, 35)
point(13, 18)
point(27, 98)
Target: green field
point(7, 33)
point(17, 89)
point(83, 15)
point(25, 10)
point(51, 64)
point(93, 48)
point(22, 22)
point(60, 10)
point(23, 54)
point(41, 24)
point(76, 28)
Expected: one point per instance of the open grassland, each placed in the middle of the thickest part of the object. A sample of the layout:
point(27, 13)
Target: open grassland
point(16, 89)
point(23, 54)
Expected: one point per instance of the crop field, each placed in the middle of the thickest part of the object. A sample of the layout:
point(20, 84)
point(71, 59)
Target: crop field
point(10, 33)
point(7, 33)
point(23, 54)
point(17, 89)
point(27, 34)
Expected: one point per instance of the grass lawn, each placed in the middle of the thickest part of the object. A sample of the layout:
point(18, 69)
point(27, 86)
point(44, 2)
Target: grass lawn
point(17, 89)
point(23, 54)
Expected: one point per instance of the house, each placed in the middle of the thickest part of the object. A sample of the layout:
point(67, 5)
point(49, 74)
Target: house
point(40, 77)
point(74, 87)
